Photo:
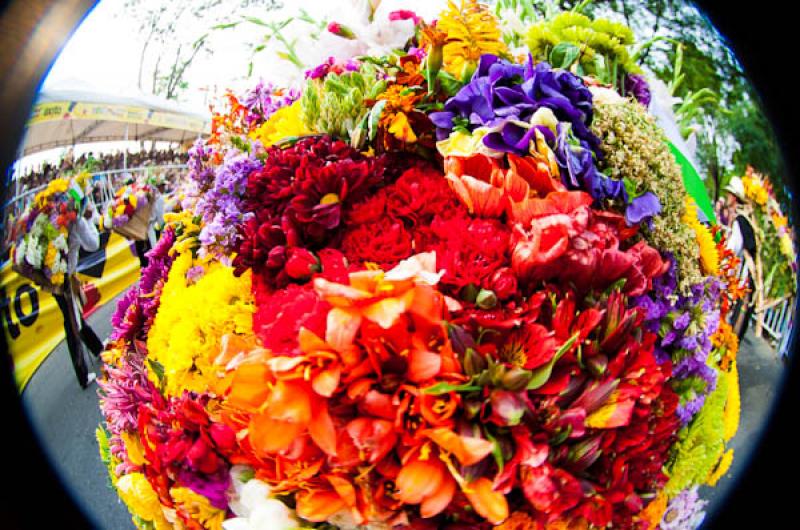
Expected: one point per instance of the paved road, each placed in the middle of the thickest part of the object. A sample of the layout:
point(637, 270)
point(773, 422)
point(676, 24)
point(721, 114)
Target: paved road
point(66, 417)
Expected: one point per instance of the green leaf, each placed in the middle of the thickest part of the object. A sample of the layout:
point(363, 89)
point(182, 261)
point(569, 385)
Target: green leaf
point(226, 26)
point(497, 451)
point(542, 375)
point(374, 118)
point(444, 388)
point(564, 54)
point(157, 369)
point(259, 22)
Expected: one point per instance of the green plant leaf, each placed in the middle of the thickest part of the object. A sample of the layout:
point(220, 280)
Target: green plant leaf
point(444, 388)
point(564, 54)
point(542, 375)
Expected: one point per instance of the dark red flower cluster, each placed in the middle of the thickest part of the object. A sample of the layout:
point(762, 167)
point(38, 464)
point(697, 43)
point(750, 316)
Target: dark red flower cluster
point(297, 202)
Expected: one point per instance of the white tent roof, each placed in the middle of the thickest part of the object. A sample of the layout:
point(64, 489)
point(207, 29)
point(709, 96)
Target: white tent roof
point(80, 114)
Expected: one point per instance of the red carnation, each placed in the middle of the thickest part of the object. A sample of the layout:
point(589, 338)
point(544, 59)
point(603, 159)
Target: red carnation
point(386, 243)
point(280, 315)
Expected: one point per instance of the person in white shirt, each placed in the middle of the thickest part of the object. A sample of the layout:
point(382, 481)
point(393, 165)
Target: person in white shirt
point(82, 235)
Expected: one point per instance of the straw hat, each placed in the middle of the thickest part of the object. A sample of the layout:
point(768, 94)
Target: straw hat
point(736, 187)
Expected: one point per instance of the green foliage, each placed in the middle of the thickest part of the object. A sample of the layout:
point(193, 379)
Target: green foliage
point(700, 444)
point(571, 40)
point(340, 105)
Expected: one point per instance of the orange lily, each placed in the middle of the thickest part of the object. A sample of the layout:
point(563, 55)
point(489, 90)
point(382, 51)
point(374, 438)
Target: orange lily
point(489, 504)
point(319, 504)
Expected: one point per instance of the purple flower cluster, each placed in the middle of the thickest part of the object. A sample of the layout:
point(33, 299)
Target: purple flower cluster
point(684, 512)
point(684, 325)
point(264, 99)
point(636, 86)
point(505, 97)
point(137, 308)
point(201, 171)
point(221, 206)
point(332, 65)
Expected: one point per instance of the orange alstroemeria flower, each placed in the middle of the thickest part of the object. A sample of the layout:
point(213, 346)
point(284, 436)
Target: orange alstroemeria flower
point(489, 504)
point(291, 410)
point(427, 483)
point(380, 297)
point(329, 498)
point(467, 450)
point(479, 182)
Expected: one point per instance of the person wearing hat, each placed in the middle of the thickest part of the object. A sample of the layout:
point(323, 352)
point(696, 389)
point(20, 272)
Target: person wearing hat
point(82, 235)
point(742, 242)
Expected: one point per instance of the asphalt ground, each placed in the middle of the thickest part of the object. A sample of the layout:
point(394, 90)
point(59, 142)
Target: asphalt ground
point(66, 417)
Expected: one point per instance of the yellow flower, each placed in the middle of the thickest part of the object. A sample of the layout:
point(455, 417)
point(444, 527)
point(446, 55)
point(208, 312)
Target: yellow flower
point(401, 129)
point(134, 448)
point(133, 200)
point(462, 144)
point(284, 123)
point(192, 319)
point(787, 248)
point(141, 499)
point(198, 508)
point(723, 466)
point(57, 279)
point(754, 189)
point(733, 404)
point(472, 30)
point(59, 185)
point(50, 256)
point(709, 255)
point(653, 512)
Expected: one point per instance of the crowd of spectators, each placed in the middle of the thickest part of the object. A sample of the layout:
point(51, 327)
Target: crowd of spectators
point(36, 177)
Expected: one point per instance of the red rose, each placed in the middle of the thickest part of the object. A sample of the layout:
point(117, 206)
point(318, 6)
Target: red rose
point(301, 263)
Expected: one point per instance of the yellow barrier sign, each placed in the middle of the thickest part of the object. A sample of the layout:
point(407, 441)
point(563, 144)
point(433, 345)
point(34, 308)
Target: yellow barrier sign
point(32, 322)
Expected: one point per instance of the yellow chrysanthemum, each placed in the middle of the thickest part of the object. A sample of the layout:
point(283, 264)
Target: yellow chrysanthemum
point(709, 255)
point(50, 256)
point(754, 189)
point(284, 123)
point(722, 467)
point(198, 508)
point(733, 405)
point(141, 499)
point(59, 185)
point(185, 338)
point(472, 30)
point(57, 278)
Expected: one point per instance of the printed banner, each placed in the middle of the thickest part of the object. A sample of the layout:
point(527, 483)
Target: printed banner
point(32, 322)
point(63, 110)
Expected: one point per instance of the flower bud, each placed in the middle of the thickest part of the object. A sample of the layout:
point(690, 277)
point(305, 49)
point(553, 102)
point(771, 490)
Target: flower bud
point(508, 408)
point(301, 263)
point(474, 362)
point(516, 379)
point(504, 283)
point(597, 364)
point(460, 339)
point(472, 409)
point(497, 373)
point(341, 31)
point(486, 299)
point(469, 293)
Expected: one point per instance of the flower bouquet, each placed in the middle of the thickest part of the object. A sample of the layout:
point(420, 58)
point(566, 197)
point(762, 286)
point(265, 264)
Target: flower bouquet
point(446, 287)
point(128, 214)
point(42, 234)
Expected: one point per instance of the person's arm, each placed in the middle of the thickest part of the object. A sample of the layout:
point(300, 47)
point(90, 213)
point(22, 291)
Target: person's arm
point(735, 240)
point(87, 235)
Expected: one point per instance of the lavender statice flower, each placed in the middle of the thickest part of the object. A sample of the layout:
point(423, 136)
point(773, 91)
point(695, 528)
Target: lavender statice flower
point(264, 99)
point(221, 207)
point(684, 325)
point(201, 172)
point(685, 511)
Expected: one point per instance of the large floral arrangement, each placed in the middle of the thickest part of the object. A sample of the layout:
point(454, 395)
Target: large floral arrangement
point(444, 287)
point(128, 200)
point(41, 233)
